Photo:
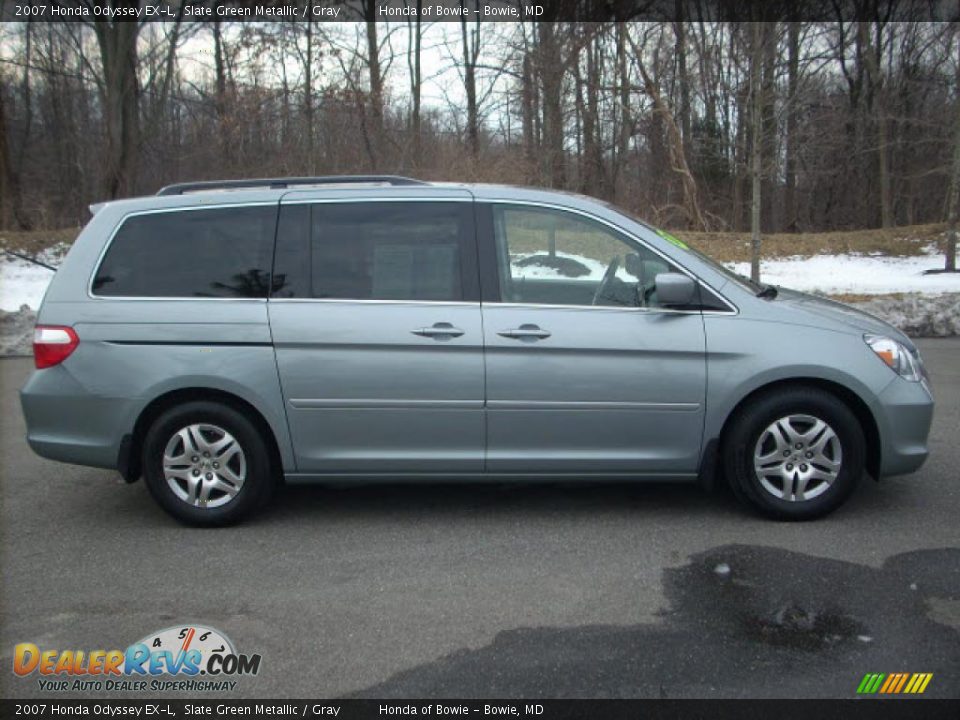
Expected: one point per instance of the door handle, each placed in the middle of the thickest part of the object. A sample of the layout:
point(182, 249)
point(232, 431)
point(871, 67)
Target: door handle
point(440, 329)
point(525, 331)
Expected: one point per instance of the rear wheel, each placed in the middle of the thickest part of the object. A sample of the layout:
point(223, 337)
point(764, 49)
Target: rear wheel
point(795, 453)
point(205, 463)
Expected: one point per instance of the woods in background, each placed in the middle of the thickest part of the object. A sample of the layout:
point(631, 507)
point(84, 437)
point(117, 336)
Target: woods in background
point(691, 124)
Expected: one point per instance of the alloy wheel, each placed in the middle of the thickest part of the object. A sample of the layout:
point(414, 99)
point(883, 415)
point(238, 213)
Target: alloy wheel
point(797, 458)
point(204, 465)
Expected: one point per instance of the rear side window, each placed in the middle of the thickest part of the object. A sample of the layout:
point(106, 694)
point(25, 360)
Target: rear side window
point(222, 252)
point(376, 251)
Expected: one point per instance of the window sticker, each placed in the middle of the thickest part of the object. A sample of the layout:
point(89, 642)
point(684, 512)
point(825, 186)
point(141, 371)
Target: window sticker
point(673, 240)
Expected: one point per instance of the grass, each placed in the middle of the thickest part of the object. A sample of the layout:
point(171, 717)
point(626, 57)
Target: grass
point(35, 242)
point(853, 298)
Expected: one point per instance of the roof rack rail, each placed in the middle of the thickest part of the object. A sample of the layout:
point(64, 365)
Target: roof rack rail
point(280, 183)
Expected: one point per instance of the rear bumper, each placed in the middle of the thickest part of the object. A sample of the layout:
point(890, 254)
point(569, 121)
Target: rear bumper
point(904, 416)
point(67, 423)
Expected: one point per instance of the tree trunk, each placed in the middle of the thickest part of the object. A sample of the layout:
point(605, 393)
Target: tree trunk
point(578, 129)
point(593, 154)
point(550, 70)
point(117, 42)
point(224, 138)
point(875, 81)
point(953, 201)
point(756, 131)
point(375, 130)
point(680, 46)
point(11, 202)
point(416, 82)
point(675, 147)
point(308, 97)
point(626, 121)
point(527, 111)
point(470, 48)
point(769, 150)
point(790, 159)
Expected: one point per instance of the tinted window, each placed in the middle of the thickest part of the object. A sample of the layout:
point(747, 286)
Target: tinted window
point(553, 257)
point(379, 251)
point(226, 252)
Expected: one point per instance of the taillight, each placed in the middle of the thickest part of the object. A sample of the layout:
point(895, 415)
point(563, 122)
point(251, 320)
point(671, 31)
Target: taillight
point(52, 344)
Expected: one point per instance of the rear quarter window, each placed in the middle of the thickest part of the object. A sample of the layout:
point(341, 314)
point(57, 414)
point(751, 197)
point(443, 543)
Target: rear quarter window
point(221, 252)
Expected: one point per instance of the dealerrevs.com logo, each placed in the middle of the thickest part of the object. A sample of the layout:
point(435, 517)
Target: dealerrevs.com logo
point(190, 658)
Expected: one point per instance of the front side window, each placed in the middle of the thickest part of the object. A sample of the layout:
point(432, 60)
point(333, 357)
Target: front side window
point(374, 251)
point(221, 252)
point(553, 257)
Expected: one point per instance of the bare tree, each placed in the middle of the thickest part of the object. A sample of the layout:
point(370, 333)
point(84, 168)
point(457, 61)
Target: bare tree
point(471, 52)
point(656, 116)
point(756, 143)
point(953, 194)
point(790, 151)
point(416, 80)
point(678, 159)
point(872, 53)
point(120, 91)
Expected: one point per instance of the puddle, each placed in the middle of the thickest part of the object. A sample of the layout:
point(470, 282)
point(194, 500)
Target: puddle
point(768, 623)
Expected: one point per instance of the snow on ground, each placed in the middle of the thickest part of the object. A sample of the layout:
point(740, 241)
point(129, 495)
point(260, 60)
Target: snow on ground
point(22, 283)
point(857, 274)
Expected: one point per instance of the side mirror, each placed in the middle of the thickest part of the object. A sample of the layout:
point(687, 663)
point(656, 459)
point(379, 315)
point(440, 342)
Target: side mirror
point(675, 289)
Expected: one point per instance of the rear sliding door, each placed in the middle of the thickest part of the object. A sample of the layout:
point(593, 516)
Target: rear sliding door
point(375, 318)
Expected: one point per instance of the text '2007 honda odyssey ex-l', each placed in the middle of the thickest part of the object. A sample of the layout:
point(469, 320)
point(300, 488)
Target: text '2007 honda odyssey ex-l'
point(220, 337)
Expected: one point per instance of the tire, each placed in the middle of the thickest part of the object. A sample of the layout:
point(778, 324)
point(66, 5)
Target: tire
point(794, 454)
point(235, 478)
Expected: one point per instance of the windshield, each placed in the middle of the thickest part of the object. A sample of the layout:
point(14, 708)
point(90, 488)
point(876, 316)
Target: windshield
point(744, 282)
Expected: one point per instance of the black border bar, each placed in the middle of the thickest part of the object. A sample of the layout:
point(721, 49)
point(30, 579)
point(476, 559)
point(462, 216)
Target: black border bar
point(783, 709)
point(484, 10)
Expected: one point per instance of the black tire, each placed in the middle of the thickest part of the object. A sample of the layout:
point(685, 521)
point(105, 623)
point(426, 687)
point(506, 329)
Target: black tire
point(750, 422)
point(260, 481)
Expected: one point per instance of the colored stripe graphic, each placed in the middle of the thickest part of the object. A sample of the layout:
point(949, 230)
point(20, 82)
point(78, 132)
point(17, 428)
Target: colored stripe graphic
point(894, 683)
point(900, 684)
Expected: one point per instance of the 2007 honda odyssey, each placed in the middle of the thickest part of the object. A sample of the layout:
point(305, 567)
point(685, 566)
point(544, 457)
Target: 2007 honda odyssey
point(219, 337)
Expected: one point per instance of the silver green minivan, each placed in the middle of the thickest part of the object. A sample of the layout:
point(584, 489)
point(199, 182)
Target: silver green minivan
point(221, 337)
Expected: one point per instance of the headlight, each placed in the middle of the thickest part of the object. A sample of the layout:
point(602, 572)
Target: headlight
point(896, 357)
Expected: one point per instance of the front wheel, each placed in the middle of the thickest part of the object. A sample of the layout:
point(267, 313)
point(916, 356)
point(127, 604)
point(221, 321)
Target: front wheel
point(795, 453)
point(206, 464)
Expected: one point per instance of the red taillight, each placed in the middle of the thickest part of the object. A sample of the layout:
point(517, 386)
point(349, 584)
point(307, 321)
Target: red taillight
point(52, 344)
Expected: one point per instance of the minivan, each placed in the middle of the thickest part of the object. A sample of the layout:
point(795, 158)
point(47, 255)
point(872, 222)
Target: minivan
point(221, 338)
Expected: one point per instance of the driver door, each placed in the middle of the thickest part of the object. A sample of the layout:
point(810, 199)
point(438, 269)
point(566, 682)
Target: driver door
point(585, 373)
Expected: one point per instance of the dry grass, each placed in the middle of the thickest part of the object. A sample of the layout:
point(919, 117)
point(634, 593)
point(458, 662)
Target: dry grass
point(853, 298)
point(900, 241)
point(34, 243)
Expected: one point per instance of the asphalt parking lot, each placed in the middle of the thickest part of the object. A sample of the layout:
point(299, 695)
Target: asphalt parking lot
point(481, 591)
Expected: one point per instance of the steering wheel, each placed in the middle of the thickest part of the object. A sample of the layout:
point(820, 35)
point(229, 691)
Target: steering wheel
point(608, 276)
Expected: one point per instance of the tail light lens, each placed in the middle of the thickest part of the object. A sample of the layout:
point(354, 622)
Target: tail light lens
point(52, 344)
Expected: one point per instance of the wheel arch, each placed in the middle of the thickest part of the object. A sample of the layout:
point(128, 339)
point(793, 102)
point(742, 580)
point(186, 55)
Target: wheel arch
point(851, 399)
point(130, 463)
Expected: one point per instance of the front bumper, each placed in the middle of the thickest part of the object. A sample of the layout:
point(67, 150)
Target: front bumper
point(904, 415)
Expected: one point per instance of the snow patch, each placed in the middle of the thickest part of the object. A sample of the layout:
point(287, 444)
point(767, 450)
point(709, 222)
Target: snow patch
point(22, 283)
point(861, 274)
